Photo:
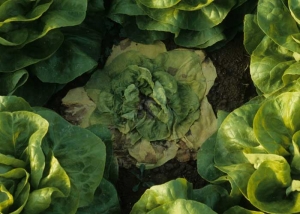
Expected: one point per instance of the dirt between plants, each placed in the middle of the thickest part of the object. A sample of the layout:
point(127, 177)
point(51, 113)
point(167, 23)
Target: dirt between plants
point(233, 87)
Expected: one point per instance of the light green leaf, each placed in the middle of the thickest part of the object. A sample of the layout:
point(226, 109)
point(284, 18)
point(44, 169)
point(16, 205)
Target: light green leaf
point(184, 207)
point(268, 64)
point(159, 4)
point(294, 7)
point(6, 199)
point(267, 188)
point(231, 141)
point(190, 5)
point(276, 122)
point(268, 14)
point(13, 103)
point(162, 194)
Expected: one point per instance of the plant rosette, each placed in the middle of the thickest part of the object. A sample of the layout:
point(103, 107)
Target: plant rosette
point(274, 45)
point(47, 165)
point(256, 149)
point(154, 100)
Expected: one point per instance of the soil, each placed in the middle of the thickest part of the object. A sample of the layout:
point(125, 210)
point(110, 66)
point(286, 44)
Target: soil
point(233, 87)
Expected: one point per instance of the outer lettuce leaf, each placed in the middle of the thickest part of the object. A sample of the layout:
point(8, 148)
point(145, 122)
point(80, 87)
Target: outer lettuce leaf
point(175, 195)
point(40, 168)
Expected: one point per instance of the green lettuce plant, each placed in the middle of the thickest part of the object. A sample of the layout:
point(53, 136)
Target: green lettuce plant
point(171, 197)
point(192, 23)
point(272, 38)
point(46, 44)
point(151, 99)
point(47, 165)
point(256, 150)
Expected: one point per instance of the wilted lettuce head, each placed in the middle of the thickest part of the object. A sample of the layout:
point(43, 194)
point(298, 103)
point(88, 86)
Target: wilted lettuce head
point(192, 23)
point(46, 164)
point(274, 45)
point(150, 94)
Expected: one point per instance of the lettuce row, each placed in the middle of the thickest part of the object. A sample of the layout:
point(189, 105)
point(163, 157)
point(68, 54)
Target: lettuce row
point(47, 44)
point(47, 165)
point(197, 24)
point(272, 38)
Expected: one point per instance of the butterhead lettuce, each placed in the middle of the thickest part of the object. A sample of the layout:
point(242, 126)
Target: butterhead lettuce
point(47, 165)
point(256, 148)
point(171, 197)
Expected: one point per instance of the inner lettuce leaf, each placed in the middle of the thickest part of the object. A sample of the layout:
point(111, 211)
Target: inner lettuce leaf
point(45, 166)
point(151, 97)
point(257, 147)
point(193, 24)
point(53, 40)
point(273, 45)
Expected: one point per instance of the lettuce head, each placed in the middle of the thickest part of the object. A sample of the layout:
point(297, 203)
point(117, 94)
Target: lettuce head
point(151, 98)
point(47, 165)
point(46, 44)
point(256, 149)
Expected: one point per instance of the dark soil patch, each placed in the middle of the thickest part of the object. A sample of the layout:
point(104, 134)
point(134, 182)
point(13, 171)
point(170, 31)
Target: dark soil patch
point(233, 86)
